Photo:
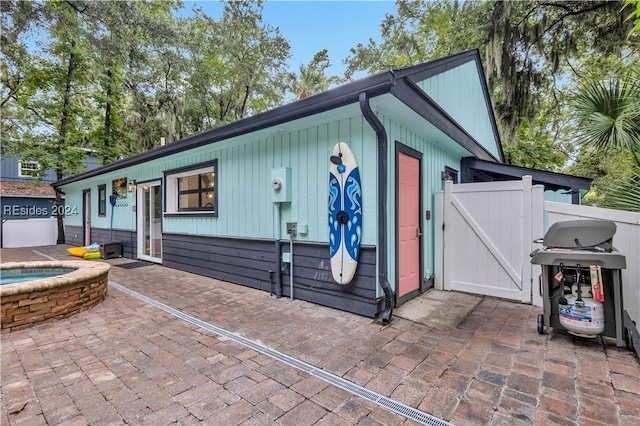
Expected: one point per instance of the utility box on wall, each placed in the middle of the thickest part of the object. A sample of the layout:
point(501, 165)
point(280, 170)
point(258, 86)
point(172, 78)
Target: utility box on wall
point(281, 184)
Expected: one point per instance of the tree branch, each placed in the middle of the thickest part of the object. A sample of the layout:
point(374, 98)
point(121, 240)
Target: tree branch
point(11, 95)
point(76, 8)
point(569, 13)
point(573, 69)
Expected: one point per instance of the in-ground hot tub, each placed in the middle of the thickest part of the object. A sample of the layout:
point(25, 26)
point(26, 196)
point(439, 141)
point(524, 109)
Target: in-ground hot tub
point(52, 290)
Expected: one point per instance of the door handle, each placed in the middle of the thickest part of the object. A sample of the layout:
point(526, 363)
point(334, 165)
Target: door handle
point(418, 233)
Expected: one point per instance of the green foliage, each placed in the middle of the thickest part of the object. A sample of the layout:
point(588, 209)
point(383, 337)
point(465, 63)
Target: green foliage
point(607, 114)
point(534, 149)
point(120, 76)
point(625, 193)
point(634, 15)
point(311, 78)
point(615, 179)
point(421, 31)
point(236, 67)
point(117, 77)
point(529, 48)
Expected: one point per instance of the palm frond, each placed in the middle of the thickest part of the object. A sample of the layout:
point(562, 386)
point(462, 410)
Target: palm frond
point(624, 194)
point(608, 114)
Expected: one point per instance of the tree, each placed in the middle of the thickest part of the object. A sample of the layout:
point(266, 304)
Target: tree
point(311, 78)
point(136, 73)
point(255, 56)
point(48, 92)
point(117, 30)
point(236, 67)
point(16, 71)
point(607, 114)
point(528, 47)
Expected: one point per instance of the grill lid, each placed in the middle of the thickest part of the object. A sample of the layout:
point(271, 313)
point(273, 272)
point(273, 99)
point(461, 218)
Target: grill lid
point(580, 234)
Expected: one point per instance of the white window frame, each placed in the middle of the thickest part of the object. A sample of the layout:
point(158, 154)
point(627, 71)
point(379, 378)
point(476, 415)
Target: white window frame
point(35, 164)
point(171, 188)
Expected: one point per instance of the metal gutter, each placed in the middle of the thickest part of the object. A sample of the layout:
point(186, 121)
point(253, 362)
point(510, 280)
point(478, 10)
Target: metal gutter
point(381, 136)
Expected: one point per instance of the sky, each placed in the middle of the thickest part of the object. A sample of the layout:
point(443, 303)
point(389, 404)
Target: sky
point(311, 26)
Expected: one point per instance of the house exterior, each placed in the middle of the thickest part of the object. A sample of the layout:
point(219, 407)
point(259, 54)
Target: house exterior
point(206, 204)
point(27, 204)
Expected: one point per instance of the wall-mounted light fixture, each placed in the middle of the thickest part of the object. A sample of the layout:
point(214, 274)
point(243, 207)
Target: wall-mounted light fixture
point(131, 187)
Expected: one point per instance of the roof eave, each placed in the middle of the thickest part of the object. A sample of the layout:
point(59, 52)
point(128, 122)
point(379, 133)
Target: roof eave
point(552, 178)
point(416, 99)
point(438, 66)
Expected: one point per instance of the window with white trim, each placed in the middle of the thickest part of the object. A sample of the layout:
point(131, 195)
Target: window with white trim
point(192, 190)
point(28, 169)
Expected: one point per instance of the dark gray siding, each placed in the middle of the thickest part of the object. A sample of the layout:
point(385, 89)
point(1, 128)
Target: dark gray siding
point(312, 279)
point(248, 262)
point(100, 235)
point(27, 207)
point(9, 170)
point(73, 235)
point(236, 260)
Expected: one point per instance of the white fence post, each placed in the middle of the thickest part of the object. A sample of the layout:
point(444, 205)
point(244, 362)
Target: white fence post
point(448, 236)
point(525, 272)
point(537, 231)
point(438, 241)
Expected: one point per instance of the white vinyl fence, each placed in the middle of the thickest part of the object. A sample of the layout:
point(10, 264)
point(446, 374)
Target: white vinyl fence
point(484, 234)
point(626, 241)
point(29, 232)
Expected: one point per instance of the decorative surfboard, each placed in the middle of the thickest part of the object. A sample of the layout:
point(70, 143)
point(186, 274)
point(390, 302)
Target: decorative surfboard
point(345, 213)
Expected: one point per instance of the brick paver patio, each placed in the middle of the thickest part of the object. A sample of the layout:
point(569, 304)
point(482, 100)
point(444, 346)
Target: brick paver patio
point(128, 362)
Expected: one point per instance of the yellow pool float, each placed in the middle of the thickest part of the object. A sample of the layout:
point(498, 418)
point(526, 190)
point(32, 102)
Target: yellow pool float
point(86, 252)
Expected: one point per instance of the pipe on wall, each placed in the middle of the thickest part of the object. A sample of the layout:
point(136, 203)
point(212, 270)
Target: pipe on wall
point(381, 136)
point(291, 267)
point(278, 253)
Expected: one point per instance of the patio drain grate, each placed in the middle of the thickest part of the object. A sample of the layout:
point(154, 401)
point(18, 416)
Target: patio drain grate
point(380, 400)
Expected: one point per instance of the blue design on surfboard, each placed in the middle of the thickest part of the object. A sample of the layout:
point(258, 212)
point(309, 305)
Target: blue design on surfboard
point(353, 201)
point(334, 226)
point(345, 213)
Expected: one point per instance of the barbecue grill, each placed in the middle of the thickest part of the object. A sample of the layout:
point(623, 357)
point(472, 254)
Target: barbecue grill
point(581, 283)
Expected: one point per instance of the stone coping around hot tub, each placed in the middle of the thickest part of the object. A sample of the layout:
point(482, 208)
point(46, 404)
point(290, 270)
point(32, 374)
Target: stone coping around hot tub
point(81, 271)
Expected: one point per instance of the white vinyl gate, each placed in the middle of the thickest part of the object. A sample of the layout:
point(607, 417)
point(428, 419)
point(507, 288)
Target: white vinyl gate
point(487, 237)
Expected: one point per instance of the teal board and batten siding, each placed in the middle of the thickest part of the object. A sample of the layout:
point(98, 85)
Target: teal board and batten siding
point(245, 195)
point(124, 215)
point(459, 92)
point(434, 160)
point(245, 206)
point(246, 211)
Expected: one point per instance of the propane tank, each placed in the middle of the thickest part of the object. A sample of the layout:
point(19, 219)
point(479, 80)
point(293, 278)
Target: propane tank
point(582, 315)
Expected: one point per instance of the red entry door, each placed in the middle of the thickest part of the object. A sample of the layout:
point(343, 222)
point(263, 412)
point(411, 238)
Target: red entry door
point(409, 231)
point(86, 220)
